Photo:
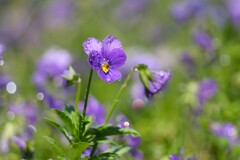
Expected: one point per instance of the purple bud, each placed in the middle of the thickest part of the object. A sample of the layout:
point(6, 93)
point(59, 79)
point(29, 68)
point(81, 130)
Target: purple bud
point(160, 80)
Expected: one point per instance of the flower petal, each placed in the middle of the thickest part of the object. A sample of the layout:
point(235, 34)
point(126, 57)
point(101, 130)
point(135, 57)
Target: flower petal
point(110, 43)
point(117, 58)
point(111, 76)
point(94, 60)
point(92, 44)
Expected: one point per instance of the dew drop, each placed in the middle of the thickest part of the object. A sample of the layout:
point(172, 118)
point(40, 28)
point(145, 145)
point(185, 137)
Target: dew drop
point(11, 87)
point(136, 69)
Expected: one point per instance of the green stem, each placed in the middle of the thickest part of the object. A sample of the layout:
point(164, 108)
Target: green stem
point(87, 93)
point(93, 149)
point(115, 102)
point(78, 95)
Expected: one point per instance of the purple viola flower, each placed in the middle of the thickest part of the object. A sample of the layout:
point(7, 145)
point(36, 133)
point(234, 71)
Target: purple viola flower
point(160, 80)
point(203, 40)
point(51, 65)
point(94, 109)
point(206, 90)
point(233, 7)
point(105, 57)
point(226, 130)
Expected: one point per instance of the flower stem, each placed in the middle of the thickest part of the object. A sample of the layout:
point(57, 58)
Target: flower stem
point(118, 95)
point(78, 95)
point(87, 93)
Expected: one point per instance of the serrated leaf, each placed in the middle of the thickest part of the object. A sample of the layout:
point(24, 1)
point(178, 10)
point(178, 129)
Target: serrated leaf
point(66, 119)
point(54, 144)
point(60, 128)
point(105, 156)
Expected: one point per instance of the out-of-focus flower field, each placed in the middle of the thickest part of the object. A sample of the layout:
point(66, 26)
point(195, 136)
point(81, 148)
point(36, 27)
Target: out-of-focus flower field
point(195, 44)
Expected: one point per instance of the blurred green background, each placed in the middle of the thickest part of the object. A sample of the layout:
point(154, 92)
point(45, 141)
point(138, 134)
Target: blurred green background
point(166, 123)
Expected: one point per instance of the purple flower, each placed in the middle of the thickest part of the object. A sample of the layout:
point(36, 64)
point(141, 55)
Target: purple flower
point(95, 110)
point(188, 62)
point(226, 130)
point(27, 110)
point(160, 80)
point(105, 57)
point(233, 7)
point(203, 40)
point(206, 90)
point(51, 65)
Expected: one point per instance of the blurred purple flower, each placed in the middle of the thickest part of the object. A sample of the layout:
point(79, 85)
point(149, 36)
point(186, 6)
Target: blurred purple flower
point(26, 109)
point(140, 56)
point(2, 49)
point(233, 7)
point(94, 109)
point(203, 40)
point(181, 11)
point(59, 13)
point(131, 10)
point(4, 79)
point(52, 64)
point(50, 100)
point(131, 141)
point(20, 142)
point(226, 130)
point(175, 157)
point(206, 90)
point(105, 57)
point(161, 79)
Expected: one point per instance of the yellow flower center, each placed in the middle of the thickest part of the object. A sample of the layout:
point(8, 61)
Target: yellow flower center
point(105, 67)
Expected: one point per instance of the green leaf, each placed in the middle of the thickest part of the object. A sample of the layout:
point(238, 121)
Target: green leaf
point(76, 149)
point(54, 144)
point(105, 156)
point(66, 119)
point(104, 131)
point(60, 128)
point(119, 150)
